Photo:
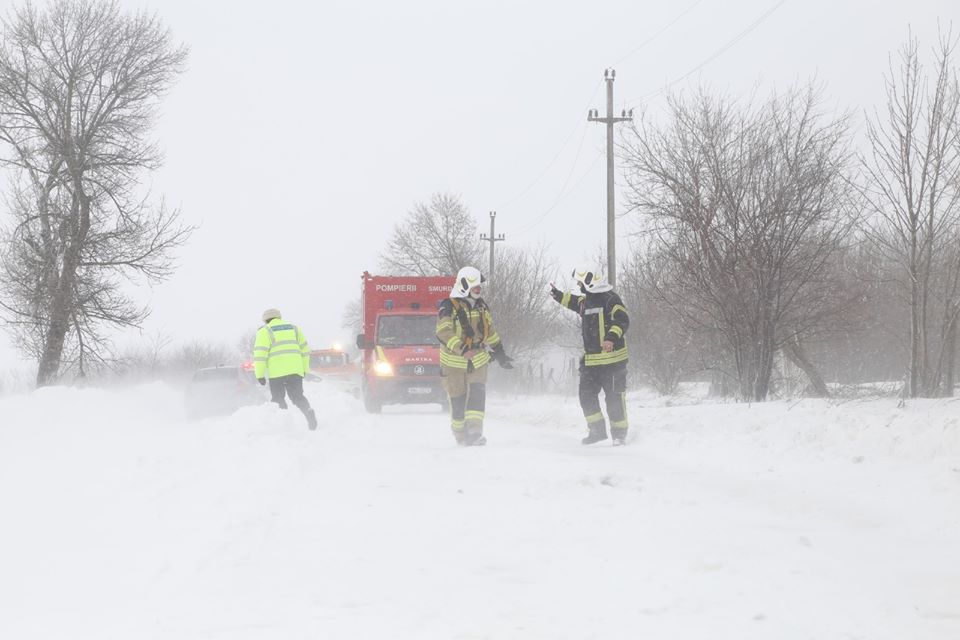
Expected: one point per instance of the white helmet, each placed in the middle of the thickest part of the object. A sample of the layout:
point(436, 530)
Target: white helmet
point(590, 279)
point(467, 278)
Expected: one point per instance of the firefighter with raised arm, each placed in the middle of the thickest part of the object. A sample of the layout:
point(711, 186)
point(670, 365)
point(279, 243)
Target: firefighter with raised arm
point(603, 366)
point(469, 342)
point(281, 354)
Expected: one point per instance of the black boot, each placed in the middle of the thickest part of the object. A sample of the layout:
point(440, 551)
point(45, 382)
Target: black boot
point(460, 435)
point(475, 439)
point(619, 437)
point(597, 433)
point(311, 419)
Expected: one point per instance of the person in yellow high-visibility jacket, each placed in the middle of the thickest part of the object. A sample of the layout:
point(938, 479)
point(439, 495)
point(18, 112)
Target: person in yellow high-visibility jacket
point(465, 331)
point(281, 354)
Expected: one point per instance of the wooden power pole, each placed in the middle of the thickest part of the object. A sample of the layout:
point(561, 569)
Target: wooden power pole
point(610, 120)
point(492, 238)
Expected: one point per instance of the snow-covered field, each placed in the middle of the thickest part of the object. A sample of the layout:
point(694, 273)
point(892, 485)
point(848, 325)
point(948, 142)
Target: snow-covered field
point(119, 519)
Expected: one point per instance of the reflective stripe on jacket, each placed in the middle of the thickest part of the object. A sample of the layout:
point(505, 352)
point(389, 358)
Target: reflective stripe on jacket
point(455, 339)
point(602, 317)
point(280, 350)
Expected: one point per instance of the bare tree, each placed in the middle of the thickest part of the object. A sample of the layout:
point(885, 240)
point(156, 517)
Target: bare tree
point(913, 189)
point(160, 360)
point(661, 338)
point(435, 238)
point(747, 203)
point(524, 315)
point(351, 318)
point(244, 344)
point(154, 350)
point(79, 85)
point(196, 355)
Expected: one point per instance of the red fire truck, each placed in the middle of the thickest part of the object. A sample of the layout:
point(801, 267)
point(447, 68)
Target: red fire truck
point(401, 355)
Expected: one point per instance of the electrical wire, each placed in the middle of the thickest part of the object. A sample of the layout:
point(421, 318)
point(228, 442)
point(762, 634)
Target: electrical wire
point(716, 54)
point(657, 34)
point(561, 197)
point(581, 121)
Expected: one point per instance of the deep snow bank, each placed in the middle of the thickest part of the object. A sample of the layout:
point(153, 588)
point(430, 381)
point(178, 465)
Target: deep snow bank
point(785, 520)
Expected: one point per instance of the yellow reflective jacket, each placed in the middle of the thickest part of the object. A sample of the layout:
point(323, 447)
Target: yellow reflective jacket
point(463, 325)
point(280, 350)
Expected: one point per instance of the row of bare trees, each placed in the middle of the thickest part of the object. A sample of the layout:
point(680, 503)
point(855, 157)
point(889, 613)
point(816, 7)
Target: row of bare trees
point(80, 82)
point(912, 193)
point(745, 210)
point(767, 241)
point(765, 235)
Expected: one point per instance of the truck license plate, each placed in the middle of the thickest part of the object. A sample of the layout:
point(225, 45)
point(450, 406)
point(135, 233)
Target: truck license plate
point(420, 391)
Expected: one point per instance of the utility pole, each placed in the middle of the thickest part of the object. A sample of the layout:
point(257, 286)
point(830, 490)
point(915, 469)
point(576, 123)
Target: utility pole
point(492, 238)
point(610, 120)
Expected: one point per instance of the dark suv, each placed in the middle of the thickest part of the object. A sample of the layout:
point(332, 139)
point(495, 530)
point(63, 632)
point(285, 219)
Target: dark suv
point(219, 391)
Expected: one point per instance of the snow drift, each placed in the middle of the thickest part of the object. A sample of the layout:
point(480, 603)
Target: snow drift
point(780, 520)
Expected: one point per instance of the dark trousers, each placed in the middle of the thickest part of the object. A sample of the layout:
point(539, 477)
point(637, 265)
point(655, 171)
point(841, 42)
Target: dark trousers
point(292, 386)
point(612, 380)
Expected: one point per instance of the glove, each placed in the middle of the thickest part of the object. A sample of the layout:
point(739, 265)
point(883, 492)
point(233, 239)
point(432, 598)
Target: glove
point(262, 381)
point(555, 293)
point(501, 357)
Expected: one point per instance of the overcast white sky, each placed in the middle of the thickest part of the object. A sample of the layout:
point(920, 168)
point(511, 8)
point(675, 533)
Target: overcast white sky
point(302, 131)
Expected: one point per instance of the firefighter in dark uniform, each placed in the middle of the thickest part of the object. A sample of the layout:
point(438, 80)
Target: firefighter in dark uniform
point(469, 341)
point(603, 367)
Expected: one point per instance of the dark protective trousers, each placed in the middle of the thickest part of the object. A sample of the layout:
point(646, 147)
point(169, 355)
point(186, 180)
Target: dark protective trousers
point(612, 380)
point(292, 386)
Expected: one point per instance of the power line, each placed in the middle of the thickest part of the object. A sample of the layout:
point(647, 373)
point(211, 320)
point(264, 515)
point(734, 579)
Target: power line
point(716, 54)
point(556, 156)
point(563, 187)
point(593, 94)
point(561, 197)
point(657, 34)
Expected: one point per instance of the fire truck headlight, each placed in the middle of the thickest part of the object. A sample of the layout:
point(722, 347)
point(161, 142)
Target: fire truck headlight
point(383, 368)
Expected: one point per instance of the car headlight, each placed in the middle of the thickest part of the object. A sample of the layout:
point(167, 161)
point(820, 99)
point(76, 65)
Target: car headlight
point(383, 368)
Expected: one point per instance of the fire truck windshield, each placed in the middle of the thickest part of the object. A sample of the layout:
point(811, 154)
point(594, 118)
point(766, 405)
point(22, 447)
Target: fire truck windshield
point(402, 331)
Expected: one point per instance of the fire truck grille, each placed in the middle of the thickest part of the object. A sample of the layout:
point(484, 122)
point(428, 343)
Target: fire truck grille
point(419, 370)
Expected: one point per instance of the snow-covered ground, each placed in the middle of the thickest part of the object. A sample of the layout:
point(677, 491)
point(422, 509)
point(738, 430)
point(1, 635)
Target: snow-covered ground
point(119, 519)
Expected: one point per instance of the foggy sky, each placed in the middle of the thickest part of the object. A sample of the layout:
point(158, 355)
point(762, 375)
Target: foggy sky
point(302, 131)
